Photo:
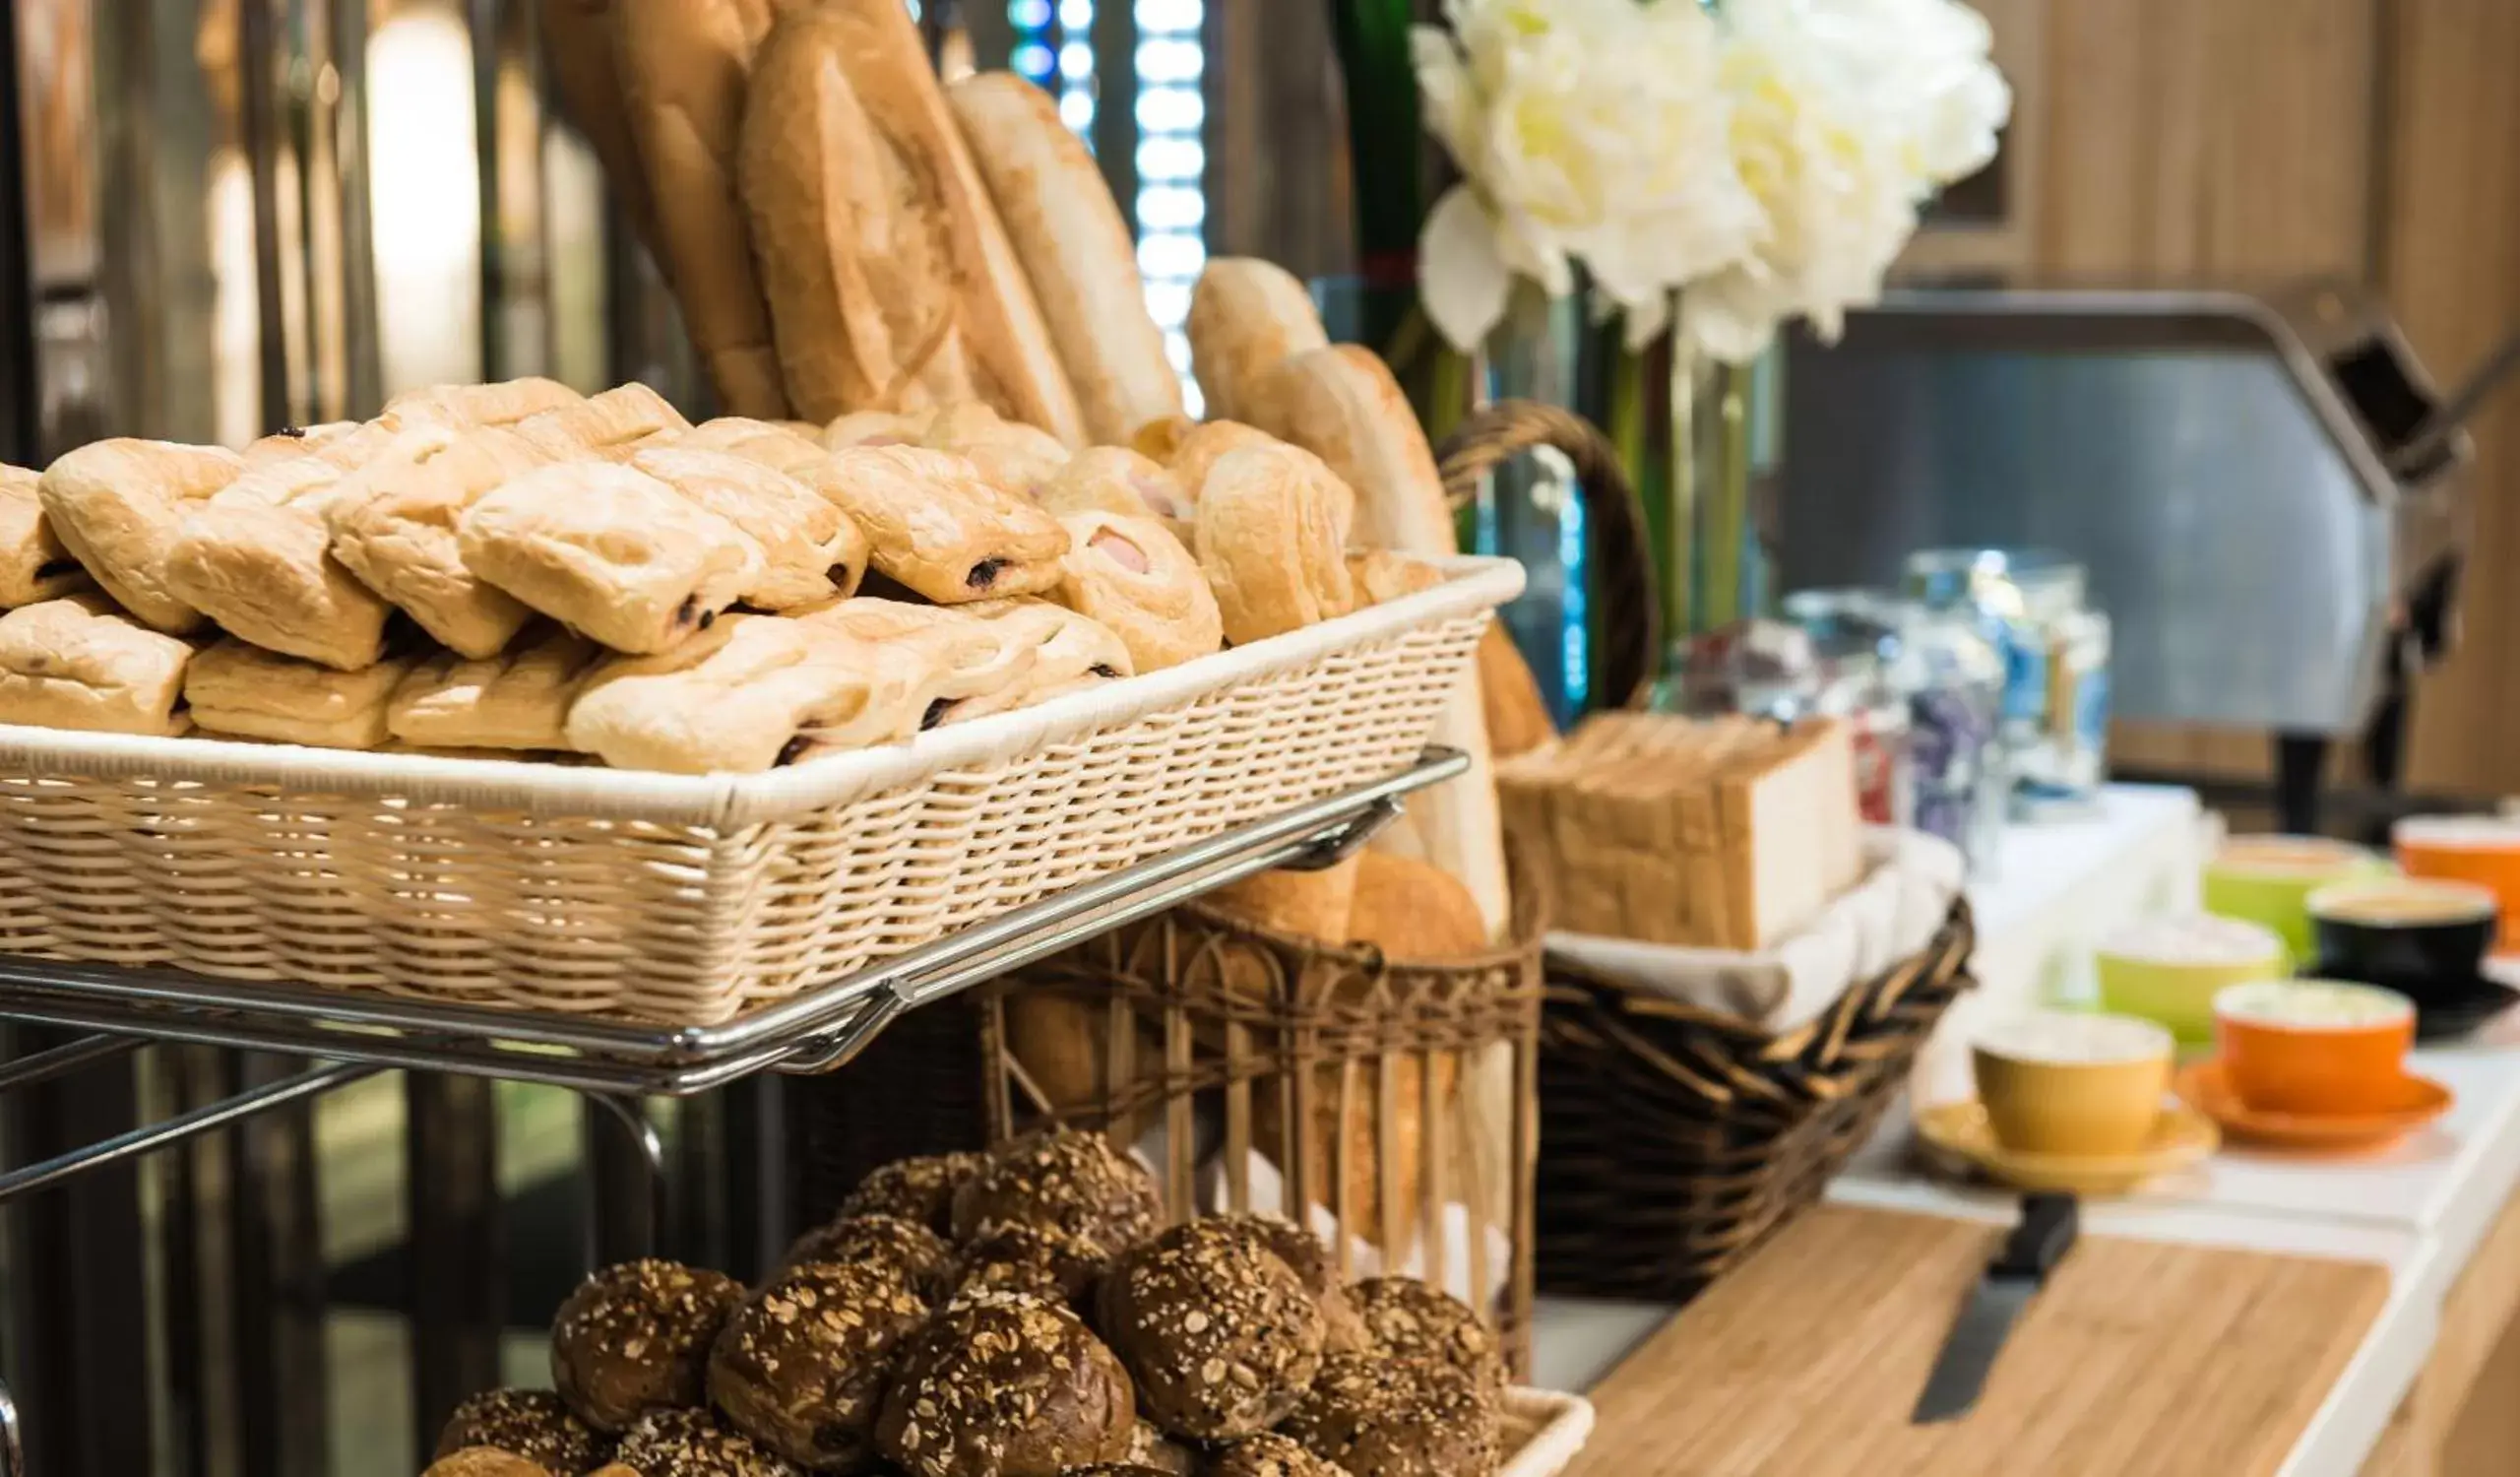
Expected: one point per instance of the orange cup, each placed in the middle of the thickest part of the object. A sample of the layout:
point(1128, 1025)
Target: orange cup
point(2314, 1047)
point(2478, 849)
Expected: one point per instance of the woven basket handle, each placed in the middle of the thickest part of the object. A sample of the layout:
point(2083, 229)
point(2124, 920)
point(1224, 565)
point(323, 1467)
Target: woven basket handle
point(1615, 524)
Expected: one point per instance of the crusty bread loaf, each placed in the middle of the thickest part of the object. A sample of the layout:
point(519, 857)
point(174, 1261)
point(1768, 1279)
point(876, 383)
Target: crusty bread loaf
point(1307, 904)
point(1246, 317)
point(1076, 252)
point(577, 43)
point(682, 65)
point(1413, 910)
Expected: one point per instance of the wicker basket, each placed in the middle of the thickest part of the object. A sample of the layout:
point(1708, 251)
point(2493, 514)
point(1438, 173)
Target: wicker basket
point(1675, 1139)
point(684, 900)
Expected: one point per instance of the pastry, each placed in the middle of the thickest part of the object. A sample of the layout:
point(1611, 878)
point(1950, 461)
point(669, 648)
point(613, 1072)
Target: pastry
point(905, 1250)
point(1037, 1261)
point(934, 525)
point(754, 692)
point(486, 1461)
point(518, 699)
point(1201, 450)
point(77, 663)
point(1272, 534)
point(577, 48)
point(1133, 576)
point(635, 1337)
point(117, 506)
point(919, 1190)
point(1013, 457)
point(33, 565)
point(1069, 651)
point(1343, 1330)
point(873, 428)
point(290, 442)
point(1066, 1179)
point(257, 558)
point(1115, 479)
point(1405, 1320)
point(1269, 1454)
point(1076, 252)
point(800, 1367)
point(1220, 1333)
point(970, 668)
point(534, 1424)
point(393, 521)
point(504, 403)
point(609, 551)
point(808, 550)
point(244, 691)
point(611, 425)
point(1161, 441)
point(1366, 1414)
point(1006, 1386)
point(1246, 317)
point(696, 1444)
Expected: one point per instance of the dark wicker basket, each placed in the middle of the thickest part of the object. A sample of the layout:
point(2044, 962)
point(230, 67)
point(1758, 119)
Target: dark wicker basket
point(1673, 1141)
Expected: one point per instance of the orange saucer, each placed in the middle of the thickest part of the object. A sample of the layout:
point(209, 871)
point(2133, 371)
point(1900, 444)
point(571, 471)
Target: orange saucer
point(2203, 1084)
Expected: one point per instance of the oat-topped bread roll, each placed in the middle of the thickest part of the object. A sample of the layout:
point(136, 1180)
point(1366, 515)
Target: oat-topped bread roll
point(808, 550)
point(518, 699)
point(610, 552)
point(1246, 317)
point(1343, 1330)
point(1038, 1261)
point(977, 668)
point(1150, 1449)
point(1117, 479)
point(919, 1190)
point(800, 1368)
point(393, 519)
point(1375, 1416)
point(1067, 1179)
point(33, 565)
point(611, 425)
point(244, 691)
point(501, 402)
point(696, 1444)
point(873, 428)
point(534, 1424)
point(634, 1337)
point(118, 506)
point(486, 1461)
point(79, 662)
point(1220, 1336)
point(1269, 1454)
point(1070, 651)
point(257, 558)
point(917, 1258)
point(1005, 1385)
point(1273, 536)
point(1132, 575)
point(935, 525)
point(1404, 1318)
point(1204, 446)
point(1011, 456)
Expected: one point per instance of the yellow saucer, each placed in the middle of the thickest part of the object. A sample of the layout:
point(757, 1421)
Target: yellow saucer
point(2180, 1137)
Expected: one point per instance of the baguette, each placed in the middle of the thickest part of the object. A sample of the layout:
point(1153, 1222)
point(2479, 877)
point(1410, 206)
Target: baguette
point(1076, 252)
point(682, 65)
point(577, 41)
point(1248, 316)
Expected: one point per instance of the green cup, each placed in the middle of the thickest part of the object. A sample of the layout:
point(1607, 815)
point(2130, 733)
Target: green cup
point(2170, 969)
point(2268, 881)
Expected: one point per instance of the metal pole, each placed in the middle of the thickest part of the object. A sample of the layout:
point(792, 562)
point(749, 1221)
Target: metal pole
point(174, 1130)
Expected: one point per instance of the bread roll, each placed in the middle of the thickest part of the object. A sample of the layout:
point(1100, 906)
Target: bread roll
point(577, 43)
point(1518, 720)
point(683, 68)
point(1413, 910)
point(1246, 317)
point(1306, 904)
point(1076, 252)
point(531, 1424)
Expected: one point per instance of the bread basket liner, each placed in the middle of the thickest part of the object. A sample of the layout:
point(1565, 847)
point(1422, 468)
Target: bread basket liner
point(1550, 1426)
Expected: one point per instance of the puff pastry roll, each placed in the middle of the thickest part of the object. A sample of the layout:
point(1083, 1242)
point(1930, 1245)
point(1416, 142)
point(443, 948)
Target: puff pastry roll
point(1069, 651)
point(1117, 479)
point(873, 428)
point(810, 551)
point(77, 663)
point(518, 699)
point(612, 424)
point(1134, 577)
point(966, 668)
point(393, 525)
point(1273, 537)
point(247, 692)
point(752, 692)
point(118, 505)
point(1010, 455)
point(296, 442)
point(935, 526)
point(609, 551)
point(504, 403)
point(257, 558)
point(1204, 445)
point(33, 566)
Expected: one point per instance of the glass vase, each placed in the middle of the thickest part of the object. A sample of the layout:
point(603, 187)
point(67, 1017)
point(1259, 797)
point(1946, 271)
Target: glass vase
point(1720, 455)
point(1533, 507)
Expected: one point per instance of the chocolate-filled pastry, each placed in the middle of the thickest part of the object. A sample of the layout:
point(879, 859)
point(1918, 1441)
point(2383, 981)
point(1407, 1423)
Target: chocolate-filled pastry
point(1343, 1330)
point(634, 1337)
point(393, 521)
point(1037, 1261)
point(873, 428)
point(747, 695)
point(117, 507)
point(1067, 1179)
point(1117, 479)
point(518, 699)
point(800, 455)
point(611, 425)
point(1206, 445)
point(257, 558)
point(1006, 1386)
point(292, 442)
point(1404, 1318)
point(800, 1368)
point(534, 1424)
point(1070, 651)
point(1269, 1454)
point(609, 551)
point(487, 1461)
point(696, 1444)
point(936, 526)
point(1222, 1336)
point(33, 565)
point(919, 1258)
point(1273, 537)
point(1010, 455)
point(808, 550)
point(973, 668)
point(502, 402)
point(1133, 576)
point(79, 662)
point(919, 1190)
point(244, 691)
point(1373, 1416)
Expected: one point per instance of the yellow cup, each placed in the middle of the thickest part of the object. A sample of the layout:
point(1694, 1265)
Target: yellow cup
point(2268, 881)
point(2170, 969)
point(2055, 1082)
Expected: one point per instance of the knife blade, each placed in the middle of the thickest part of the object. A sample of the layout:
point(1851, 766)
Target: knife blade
point(2048, 1225)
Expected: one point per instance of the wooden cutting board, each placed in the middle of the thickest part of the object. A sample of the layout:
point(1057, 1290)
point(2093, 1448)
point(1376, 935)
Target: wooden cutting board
point(2165, 1361)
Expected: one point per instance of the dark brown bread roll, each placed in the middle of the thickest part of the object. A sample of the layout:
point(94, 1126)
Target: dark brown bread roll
point(1034, 1259)
point(487, 1461)
point(1114, 1469)
point(635, 1337)
point(1371, 1415)
point(1269, 1454)
point(911, 1253)
point(1404, 1318)
point(802, 1366)
point(919, 1190)
point(1222, 1336)
point(1067, 1181)
point(534, 1424)
point(1343, 1333)
point(695, 1443)
point(1151, 1449)
point(1004, 1385)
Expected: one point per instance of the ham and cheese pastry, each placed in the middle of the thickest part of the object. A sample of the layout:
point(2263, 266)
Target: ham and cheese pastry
point(1131, 575)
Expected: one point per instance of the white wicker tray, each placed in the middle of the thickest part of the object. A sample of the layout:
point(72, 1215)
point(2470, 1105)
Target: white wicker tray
point(1543, 1430)
point(678, 899)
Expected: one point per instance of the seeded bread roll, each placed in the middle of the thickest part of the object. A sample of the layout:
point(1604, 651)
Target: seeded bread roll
point(1222, 1336)
point(1038, 1261)
point(488, 1461)
point(635, 1337)
point(696, 1444)
point(1404, 1318)
point(1005, 1385)
point(1151, 1450)
point(1269, 1454)
point(1066, 1181)
point(919, 1190)
point(802, 1366)
point(909, 1253)
point(1343, 1331)
point(534, 1424)
point(1373, 1416)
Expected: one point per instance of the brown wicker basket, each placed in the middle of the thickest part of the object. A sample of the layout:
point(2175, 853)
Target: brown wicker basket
point(1673, 1141)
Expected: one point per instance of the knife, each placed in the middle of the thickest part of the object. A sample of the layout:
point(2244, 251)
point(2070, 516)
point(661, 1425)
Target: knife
point(2046, 1234)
